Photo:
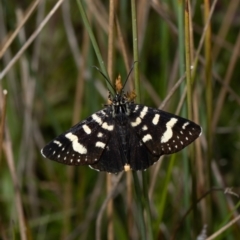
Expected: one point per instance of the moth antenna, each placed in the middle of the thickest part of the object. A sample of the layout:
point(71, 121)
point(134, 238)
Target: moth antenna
point(105, 78)
point(129, 74)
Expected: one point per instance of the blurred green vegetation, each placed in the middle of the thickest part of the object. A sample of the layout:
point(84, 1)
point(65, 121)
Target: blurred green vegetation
point(53, 85)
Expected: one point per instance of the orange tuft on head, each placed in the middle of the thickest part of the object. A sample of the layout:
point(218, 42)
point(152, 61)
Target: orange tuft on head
point(118, 84)
point(131, 96)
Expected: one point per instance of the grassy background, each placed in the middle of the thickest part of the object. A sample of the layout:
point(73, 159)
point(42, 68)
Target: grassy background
point(51, 86)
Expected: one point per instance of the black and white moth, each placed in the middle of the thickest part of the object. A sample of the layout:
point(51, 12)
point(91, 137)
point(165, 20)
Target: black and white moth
point(122, 136)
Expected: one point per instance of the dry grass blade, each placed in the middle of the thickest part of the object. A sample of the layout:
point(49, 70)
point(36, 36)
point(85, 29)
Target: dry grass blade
point(111, 60)
point(171, 92)
point(17, 189)
point(227, 79)
point(3, 117)
point(224, 228)
point(30, 39)
point(20, 25)
point(104, 205)
point(51, 85)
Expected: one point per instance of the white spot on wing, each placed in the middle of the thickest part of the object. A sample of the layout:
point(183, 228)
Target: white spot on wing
point(143, 112)
point(136, 108)
point(146, 138)
point(156, 119)
point(97, 119)
point(42, 153)
point(100, 144)
point(58, 143)
point(86, 129)
point(184, 125)
point(78, 147)
point(137, 122)
point(93, 168)
point(168, 133)
point(107, 127)
point(144, 128)
point(99, 135)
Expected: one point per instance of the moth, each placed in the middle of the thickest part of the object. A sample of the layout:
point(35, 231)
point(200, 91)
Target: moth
point(122, 136)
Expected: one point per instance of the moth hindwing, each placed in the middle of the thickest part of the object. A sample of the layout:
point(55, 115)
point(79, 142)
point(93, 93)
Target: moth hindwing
point(122, 136)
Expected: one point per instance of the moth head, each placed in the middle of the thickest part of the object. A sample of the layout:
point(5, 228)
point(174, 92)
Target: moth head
point(130, 97)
